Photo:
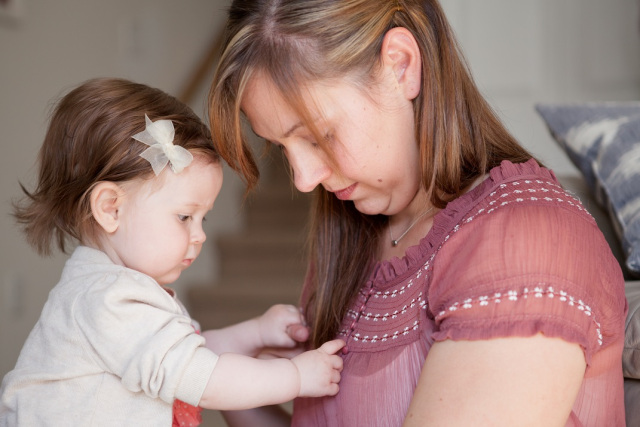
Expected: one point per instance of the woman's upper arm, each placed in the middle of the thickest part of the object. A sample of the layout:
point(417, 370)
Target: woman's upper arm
point(499, 382)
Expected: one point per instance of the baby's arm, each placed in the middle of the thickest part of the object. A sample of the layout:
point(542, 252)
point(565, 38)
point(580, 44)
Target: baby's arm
point(280, 326)
point(242, 382)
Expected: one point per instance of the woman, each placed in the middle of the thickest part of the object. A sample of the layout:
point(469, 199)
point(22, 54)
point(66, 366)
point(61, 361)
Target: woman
point(469, 287)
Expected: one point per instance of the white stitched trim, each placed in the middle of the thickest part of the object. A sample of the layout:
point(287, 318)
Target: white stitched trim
point(419, 300)
point(555, 190)
point(512, 295)
point(375, 338)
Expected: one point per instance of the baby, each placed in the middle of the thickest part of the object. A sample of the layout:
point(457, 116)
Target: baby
point(129, 173)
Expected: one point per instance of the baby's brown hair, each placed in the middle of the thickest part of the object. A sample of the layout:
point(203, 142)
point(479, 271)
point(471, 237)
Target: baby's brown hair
point(89, 140)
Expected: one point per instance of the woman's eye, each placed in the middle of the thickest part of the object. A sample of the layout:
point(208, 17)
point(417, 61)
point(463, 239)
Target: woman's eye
point(184, 218)
point(312, 141)
point(327, 139)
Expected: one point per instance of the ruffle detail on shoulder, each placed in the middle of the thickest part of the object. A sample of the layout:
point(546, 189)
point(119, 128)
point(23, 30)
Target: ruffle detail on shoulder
point(530, 168)
point(387, 272)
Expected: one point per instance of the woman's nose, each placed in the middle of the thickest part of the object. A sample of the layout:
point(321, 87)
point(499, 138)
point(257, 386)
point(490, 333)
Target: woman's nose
point(310, 168)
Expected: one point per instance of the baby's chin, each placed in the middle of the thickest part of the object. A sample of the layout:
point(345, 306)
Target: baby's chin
point(169, 278)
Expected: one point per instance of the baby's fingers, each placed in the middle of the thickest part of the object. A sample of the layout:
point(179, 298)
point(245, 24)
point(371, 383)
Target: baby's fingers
point(298, 332)
point(335, 376)
point(333, 389)
point(332, 347)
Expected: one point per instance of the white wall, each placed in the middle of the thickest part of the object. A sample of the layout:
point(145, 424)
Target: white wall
point(528, 51)
point(521, 52)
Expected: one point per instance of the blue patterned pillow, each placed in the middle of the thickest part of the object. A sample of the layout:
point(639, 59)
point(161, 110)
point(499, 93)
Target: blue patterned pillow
point(603, 141)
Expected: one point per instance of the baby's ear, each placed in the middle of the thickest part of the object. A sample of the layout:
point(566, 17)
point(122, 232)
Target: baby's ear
point(106, 198)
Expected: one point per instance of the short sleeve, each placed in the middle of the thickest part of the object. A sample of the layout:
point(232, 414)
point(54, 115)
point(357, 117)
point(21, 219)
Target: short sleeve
point(524, 269)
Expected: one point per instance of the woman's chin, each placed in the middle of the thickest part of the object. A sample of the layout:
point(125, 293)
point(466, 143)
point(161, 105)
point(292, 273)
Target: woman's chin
point(368, 208)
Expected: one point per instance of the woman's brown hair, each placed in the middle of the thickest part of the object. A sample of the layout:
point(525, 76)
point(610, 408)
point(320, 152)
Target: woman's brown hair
point(89, 140)
point(295, 42)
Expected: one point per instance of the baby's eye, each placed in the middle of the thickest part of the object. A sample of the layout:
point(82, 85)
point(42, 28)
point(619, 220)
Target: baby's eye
point(184, 218)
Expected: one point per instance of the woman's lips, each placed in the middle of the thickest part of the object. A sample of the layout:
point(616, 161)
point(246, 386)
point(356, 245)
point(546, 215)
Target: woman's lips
point(345, 193)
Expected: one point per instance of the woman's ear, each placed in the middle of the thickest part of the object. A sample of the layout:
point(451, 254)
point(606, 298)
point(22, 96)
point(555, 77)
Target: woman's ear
point(401, 53)
point(106, 198)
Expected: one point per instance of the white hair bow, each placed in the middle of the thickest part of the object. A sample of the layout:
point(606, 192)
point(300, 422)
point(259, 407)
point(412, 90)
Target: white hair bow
point(158, 136)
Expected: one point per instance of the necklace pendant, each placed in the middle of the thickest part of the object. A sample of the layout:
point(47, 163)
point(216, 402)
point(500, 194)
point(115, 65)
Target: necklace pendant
point(394, 242)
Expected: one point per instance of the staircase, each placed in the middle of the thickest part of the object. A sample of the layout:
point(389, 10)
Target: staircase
point(264, 263)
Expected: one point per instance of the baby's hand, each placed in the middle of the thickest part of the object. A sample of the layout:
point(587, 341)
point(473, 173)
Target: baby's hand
point(320, 370)
point(282, 326)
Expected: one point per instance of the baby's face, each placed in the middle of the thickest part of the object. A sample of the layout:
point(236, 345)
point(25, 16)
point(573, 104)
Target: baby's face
point(160, 230)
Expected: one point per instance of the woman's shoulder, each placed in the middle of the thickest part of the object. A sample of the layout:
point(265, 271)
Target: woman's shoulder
point(521, 212)
point(509, 185)
point(523, 192)
point(525, 248)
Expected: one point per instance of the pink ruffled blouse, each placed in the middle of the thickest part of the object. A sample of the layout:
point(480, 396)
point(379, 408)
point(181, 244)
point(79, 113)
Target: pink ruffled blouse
point(515, 256)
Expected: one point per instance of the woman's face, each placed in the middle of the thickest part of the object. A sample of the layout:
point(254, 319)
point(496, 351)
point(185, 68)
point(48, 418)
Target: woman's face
point(371, 136)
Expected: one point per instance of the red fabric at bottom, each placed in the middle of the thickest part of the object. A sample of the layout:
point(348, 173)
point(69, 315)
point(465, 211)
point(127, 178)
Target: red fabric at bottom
point(185, 415)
